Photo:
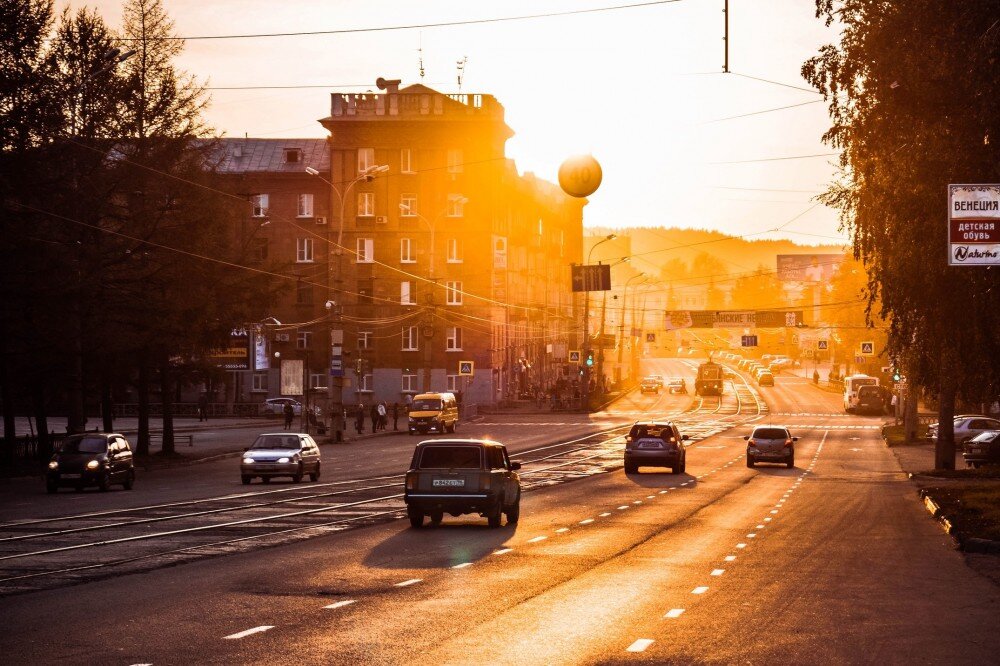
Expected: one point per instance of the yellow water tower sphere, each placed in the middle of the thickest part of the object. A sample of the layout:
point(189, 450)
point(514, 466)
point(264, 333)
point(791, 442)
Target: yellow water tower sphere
point(580, 176)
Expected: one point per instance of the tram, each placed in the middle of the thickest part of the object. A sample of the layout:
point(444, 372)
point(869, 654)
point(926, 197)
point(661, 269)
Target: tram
point(709, 380)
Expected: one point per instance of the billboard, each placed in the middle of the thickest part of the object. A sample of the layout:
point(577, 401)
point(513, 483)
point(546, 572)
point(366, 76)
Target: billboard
point(808, 267)
point(974, 225)
point(292, 375)
point(235, 355)
point(679, 319)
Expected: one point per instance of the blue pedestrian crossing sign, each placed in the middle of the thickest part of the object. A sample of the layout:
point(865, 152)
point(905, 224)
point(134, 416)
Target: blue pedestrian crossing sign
point(574, 356)
point(867, 348)
point(749, 340)
point(822, 344)
point(466, 368)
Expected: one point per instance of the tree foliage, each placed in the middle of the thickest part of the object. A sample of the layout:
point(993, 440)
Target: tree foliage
point(912, 89)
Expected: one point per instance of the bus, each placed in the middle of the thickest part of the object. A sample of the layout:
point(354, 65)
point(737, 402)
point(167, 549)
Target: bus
point(851, 385)
point(709, 380)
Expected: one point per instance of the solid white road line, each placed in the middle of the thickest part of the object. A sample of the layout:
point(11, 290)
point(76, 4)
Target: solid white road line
point(340, 604)
point(701, 589)
point(407, 583)
point(248, 632)
point(674, 612)
point(640, 645)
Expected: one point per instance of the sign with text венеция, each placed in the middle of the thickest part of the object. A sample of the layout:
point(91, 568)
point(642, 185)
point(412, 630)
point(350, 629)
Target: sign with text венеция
point(974, 225)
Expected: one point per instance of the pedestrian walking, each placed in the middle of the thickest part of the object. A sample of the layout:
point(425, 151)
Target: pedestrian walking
point(382, 420)
point(359, 418)
point(395, 416)
point(203, 407)
point(374, 416)
point(289, 415)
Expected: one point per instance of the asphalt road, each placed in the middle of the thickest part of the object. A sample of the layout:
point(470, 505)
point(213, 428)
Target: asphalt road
point(833, 561)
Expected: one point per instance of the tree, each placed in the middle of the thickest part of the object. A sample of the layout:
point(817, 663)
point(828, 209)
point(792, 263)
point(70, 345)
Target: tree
point(912, 89)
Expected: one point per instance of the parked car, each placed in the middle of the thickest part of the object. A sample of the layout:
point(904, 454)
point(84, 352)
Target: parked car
point(649, 385)
point(770, 444)
point(677, 385)
point(276, 406)
point(983, 449)
point(765, 378)
point(292, 454)
point(967, 426)
point(91, 459)
point(459, 476)
point(655, 444)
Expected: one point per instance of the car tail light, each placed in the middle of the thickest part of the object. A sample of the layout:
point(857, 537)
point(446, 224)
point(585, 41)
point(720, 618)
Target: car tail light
point(751, 442)
point(788, 443)
point(484, 481)
point(411, 481)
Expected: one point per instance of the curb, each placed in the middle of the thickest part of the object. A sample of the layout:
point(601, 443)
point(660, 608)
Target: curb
point(965, 544)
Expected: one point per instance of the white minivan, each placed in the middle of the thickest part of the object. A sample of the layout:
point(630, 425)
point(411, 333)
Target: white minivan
point(851, 385)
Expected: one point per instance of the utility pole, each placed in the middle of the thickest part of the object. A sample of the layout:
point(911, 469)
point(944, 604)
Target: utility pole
point(600, 341)
point(725, 38)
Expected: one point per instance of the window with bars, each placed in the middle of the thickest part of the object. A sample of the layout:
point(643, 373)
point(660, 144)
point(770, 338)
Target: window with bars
point(365, 339)
point(366, 204)
point(455, 160)
point(456, 205)
point(409, 338)
point(303, 250)
point(408, 205)
point(305, 205)
point(453, 341)
point(453, 292)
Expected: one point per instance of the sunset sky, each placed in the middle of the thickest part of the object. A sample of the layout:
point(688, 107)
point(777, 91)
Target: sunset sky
point(638, 88)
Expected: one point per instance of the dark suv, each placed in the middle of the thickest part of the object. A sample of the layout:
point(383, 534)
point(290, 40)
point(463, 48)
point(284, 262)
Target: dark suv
point(91, 459)
point(655, 444)
point(459, 476)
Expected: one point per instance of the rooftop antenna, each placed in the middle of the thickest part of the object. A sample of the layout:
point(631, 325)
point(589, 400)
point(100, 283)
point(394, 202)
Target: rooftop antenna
point(420, 56)
point(460, 66)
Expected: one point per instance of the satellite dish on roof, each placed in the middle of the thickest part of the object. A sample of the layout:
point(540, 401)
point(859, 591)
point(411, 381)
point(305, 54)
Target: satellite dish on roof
point(383, 84)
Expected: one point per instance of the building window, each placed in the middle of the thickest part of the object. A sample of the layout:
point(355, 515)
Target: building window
point(365, 383)
point(259, 204)
point(305, 205)
point(408, 205)
point(409, 384)
point(304, 250)
point(303, 340)
point(406, 295)
point(453, 291)
point(454, 251)
point(365, 289)
point(409, 338)
point(366, 159)
point(454, 383)
point(366, 250)
point(303, 294)
point(455, 160)
point(365, 339)
point(317, 382)
point(366, 204)
point(293, 155)
point(406, 255)
point(260, 248)
point(406, 160)
point(456, 205)
point(454, 339)
point(259, 382)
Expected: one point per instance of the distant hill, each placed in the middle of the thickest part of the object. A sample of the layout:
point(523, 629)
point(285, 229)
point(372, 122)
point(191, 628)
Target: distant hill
point(653, 247)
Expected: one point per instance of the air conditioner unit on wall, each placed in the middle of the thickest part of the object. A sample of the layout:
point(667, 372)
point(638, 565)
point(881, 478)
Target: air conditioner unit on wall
point(320, 219)
point(281, 337)
point(382, 219)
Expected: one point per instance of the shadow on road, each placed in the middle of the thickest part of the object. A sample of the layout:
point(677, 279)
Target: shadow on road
point(454, 541)
point(653, 477)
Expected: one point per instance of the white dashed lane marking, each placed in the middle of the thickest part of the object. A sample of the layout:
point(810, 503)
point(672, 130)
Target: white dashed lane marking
point(562, 529)
point(674, 612)
point(537, 539)
point(407, 583)
point(248, 632)
point(718, 572)
point(741, 545)
point(340, 604)
point(462, 565)
point(730, 558)
point(640, 645)
point(586, 521)
point(701, 589)
point(502, 551)
point(603, 515)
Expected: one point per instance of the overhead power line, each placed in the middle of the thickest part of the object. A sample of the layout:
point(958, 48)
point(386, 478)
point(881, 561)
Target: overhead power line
point(776, 83)
point(758, 113)
point(775, 159)
point(422, 26)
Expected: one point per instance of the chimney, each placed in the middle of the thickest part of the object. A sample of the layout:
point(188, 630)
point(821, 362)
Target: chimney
point(390, 86)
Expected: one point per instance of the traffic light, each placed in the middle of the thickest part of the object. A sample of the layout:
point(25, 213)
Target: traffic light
point(896, 376)
point(590, 359)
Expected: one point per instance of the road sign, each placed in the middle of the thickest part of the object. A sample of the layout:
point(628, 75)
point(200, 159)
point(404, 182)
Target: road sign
point(749, 340)
point(466, 368)
point(580, 175)
point(974, 225)
point(822, 345)
point(574, 356)
point(868, 348)
point(651, 337)
point(591, 277)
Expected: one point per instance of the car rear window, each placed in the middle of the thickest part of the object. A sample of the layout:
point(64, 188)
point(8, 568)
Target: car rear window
point(770, 433)
point(651, 430)
point(451, 457)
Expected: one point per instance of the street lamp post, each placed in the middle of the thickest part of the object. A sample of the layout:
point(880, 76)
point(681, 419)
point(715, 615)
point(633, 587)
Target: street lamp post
point(335, 383)
point(586, 328)
point(621, 322)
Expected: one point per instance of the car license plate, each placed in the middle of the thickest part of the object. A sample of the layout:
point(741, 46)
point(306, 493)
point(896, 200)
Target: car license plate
point(71, 476)
point(652, 444)
point(448, 483)
point(975, 449)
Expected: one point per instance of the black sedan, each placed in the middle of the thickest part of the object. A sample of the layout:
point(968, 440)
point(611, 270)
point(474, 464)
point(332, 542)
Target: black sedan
point(983, 449)
point(91, 459)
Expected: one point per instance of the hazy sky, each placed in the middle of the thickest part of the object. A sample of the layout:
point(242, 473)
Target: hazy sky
point(637, 88)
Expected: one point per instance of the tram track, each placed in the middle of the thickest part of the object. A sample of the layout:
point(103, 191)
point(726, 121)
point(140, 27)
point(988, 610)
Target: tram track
point(274, 516)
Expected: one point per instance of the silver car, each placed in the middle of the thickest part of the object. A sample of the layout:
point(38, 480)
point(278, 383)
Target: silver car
point(967, 426)
point(773, 444)
point(281, 454)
